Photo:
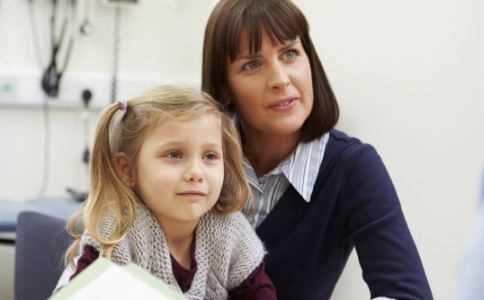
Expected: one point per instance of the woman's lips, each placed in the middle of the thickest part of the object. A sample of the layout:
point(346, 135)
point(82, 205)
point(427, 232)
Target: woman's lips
point(283, 105)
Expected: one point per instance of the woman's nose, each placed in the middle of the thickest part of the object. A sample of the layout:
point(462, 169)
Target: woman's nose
point(279, 78)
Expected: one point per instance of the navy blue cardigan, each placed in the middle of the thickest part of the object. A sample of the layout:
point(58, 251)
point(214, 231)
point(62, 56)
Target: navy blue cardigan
point(354, 204)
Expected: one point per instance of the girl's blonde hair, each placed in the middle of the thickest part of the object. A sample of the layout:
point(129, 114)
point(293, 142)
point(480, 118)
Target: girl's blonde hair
point(122, 128)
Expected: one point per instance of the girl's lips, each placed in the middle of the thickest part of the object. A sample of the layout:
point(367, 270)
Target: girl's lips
point(192, 197)
point(191, 194)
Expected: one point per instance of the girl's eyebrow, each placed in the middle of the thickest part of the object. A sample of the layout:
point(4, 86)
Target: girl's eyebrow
point(215, 146)
point(165, 144)
point(182, 144)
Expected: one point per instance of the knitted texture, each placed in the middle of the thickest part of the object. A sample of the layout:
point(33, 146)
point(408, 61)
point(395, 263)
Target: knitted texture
point(227, 251)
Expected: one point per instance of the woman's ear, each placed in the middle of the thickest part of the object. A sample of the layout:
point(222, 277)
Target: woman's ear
point(125, 168)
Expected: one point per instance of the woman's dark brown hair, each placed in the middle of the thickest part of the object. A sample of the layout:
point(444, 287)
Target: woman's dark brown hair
point(282, 21)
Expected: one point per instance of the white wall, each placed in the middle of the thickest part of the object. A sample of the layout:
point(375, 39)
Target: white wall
point(408, 75)
point(152, 51)
point(409, 79)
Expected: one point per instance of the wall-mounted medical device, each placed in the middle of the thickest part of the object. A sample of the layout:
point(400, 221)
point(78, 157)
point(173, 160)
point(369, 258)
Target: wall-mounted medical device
point(61, 43)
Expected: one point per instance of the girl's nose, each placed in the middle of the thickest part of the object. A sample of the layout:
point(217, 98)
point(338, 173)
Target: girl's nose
point(193, 173)
point(193, 177)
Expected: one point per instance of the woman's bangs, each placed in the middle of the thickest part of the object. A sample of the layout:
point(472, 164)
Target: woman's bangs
point(281, 24)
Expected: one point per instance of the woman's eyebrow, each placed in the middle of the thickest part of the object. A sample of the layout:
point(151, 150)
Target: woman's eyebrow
point(284, 46)
point(248, 56)
point(289, 44)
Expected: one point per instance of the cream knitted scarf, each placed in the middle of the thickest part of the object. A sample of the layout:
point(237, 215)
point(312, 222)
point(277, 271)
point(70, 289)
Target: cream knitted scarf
point(227, 250)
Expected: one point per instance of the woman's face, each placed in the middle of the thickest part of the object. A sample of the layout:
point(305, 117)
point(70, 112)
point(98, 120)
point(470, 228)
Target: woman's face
point(272, 89)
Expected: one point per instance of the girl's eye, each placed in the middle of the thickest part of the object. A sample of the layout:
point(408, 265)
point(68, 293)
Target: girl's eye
point(290, 55)
point(174, 155)
point(250, 66)
point(212, 156)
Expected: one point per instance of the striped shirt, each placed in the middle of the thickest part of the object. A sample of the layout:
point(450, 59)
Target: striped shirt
point(300, 170)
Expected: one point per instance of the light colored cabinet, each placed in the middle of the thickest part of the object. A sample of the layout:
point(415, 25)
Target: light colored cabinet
point(7, 264)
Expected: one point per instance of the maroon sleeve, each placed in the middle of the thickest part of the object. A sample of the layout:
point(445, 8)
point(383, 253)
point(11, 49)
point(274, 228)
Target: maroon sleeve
point(89, 255)
point(258, 286)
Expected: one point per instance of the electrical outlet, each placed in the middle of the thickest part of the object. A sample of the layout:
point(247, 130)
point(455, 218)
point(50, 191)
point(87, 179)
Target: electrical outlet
point(100, 86)
point(73, 85)
point(23, 88)
point(8, 88)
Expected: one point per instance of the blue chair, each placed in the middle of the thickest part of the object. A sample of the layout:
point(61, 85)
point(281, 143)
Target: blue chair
point(41, 241)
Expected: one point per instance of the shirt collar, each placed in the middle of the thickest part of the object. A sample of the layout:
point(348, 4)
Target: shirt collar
point(301, 168)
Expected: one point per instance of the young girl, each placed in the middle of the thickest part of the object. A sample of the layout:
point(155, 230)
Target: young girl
point(166, 185)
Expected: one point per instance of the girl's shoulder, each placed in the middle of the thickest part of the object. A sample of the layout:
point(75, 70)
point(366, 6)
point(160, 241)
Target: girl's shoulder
point(223, 225)
point(231, 234)
point(234, 249)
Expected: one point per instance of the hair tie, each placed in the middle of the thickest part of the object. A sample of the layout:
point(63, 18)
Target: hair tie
point(115, 124)
point(123, 105)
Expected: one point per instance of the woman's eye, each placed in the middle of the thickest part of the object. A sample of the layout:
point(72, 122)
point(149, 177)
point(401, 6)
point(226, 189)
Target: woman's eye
point(250, 66)
point(290, 55)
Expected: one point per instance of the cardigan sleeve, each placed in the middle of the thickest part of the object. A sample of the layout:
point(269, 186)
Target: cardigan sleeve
point(82, 261)
point(257, 286)
point(89, 255)
point(376, 225)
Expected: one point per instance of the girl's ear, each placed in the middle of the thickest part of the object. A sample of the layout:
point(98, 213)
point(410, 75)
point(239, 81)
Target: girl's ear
point(125, 168)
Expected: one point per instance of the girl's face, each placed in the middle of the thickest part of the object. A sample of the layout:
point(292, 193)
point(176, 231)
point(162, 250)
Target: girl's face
point(272, 89)
point(180, 169)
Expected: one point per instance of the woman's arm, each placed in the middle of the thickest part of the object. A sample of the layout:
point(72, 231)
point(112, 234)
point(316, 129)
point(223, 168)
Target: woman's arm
point(376, 225)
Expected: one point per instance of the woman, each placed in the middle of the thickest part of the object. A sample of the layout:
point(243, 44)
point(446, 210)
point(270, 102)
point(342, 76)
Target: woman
point(317, 192)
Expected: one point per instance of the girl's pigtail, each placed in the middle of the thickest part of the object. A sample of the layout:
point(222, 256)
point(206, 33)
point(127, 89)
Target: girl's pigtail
point(107, 192)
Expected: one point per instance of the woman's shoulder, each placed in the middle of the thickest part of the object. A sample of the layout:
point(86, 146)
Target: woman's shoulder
point(345, 150)
point(339, 138)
